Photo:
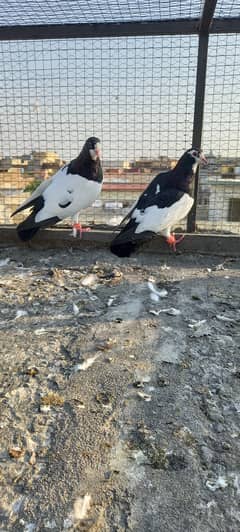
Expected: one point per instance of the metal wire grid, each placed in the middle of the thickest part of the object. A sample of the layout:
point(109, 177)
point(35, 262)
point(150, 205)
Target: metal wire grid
point(227, 8)
point(15, 12)
point(219, 187)
point(136, 94)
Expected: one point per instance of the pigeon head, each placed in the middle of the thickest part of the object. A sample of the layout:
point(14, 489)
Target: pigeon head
point(189, 161)
point(92, 147)
point(185, 168)
point(88, 163)
point(197, 156)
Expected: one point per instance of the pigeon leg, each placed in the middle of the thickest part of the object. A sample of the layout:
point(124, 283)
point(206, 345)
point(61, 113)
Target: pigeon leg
point(172, 241)
point(79, 230)
point(76, 225)
point(179, 239)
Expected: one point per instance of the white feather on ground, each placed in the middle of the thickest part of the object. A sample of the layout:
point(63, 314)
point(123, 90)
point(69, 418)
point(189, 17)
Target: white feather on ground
point(156, 294)
point(4, 262)
point(81, 507)
point(75, 309)
point(21, 314)
point(86, 364)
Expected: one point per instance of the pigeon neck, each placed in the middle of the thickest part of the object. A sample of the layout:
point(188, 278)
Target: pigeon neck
point(90, 169)
point(87, 168)
point(183, 175)
point(184, 168)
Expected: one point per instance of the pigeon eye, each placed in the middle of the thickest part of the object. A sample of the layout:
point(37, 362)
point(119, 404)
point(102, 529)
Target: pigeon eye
point(194, 153)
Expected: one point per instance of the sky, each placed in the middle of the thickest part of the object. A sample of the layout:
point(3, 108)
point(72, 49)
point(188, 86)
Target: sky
point(136, 94)
point(25, 12)
point(86, 11)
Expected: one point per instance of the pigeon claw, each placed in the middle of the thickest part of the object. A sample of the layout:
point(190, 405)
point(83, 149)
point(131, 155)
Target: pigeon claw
point(172, 241)
point(79, 230)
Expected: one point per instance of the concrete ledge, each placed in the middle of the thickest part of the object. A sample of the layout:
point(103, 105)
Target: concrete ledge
point(62, 238)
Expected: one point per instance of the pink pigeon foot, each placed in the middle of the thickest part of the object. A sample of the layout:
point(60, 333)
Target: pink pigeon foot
point(79, 230)
point(172, 241)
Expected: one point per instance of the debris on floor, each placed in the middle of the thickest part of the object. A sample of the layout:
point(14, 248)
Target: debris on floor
point(119, 411)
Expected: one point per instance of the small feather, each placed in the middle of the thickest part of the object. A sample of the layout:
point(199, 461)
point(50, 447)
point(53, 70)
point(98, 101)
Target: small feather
point(144, 396)
point(75, 309)
point(219, 483)
point(154, 297)
point(4, 262)
point(89, 280)
point(171, 311)
point(196, 324)
point(81, 507)
point(40, 331)
point(224, 318)
point(111, 300)
point(160, 293)
point(86, 364)
point(21, 314)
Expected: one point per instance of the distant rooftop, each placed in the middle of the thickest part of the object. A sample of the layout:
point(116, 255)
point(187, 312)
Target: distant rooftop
point(218, 180)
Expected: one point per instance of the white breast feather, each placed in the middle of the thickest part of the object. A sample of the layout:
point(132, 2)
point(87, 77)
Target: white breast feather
point(157, 220)
point(63, 188)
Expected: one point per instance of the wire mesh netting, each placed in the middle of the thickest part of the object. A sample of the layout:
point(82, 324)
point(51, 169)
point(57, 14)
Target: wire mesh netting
point(219, 187)
point(136, 94)
point(227, 8)
point(15, 12)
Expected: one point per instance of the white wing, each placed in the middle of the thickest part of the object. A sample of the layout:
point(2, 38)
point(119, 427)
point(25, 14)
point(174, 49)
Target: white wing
point(66, 195)
point(39, 190)
point(158, 219)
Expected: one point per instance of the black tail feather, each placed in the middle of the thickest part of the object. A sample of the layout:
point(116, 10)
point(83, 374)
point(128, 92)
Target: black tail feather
point(28, 228)
point(26, 234)
point(128, 241)
point(123, 249)
point(37, 204)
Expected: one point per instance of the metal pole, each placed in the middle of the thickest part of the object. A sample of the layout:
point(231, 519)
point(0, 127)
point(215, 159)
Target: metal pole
point(99, 30)
point(121, 29)
point(198, 116)
point(204, 28)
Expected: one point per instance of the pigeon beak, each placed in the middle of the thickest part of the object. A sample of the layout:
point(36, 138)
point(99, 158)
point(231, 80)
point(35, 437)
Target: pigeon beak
point(203, 158)
point(94, 154)
point(97, 149)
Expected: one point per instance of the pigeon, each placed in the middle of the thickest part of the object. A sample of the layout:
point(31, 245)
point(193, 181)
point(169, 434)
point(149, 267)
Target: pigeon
point(163, 204)
point(74, 187)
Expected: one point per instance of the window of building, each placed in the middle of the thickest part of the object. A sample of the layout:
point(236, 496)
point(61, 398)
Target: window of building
point(234, 210)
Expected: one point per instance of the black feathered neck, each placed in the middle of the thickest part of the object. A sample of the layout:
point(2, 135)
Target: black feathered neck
point(87, 168)
point(84, 166)
point(185, 165)
point(182, 174)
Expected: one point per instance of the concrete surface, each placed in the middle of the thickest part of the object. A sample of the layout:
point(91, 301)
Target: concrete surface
point(60, 238)
point(119, 407)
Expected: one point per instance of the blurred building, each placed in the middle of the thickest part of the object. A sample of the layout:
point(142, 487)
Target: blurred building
point(43, 164)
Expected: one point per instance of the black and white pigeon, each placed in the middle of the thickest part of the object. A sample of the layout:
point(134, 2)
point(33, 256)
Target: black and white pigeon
point(164, 203)
point(74, 187)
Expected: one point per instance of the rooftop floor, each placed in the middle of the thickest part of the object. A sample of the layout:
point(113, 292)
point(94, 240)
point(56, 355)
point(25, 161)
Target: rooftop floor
point(112, 391)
